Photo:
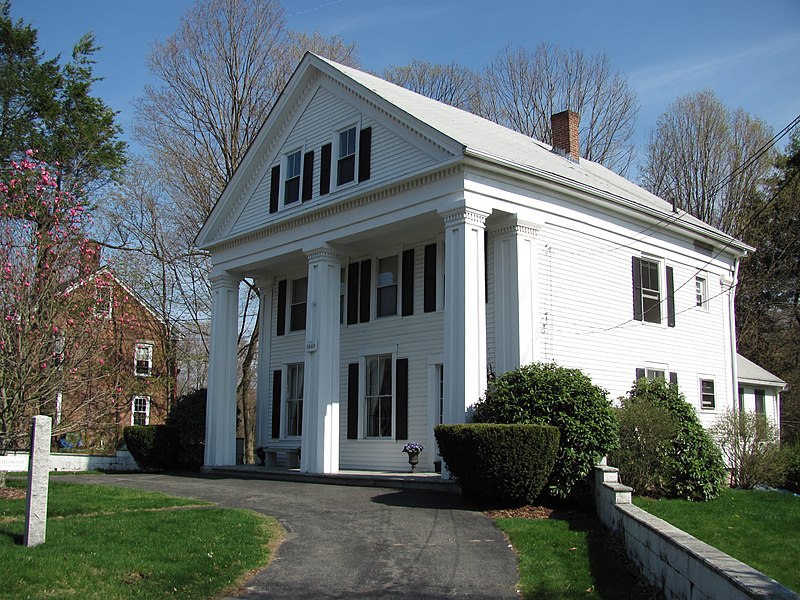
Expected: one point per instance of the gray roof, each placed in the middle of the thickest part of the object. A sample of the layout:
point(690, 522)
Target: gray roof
point(750, 372)
point(481, 137)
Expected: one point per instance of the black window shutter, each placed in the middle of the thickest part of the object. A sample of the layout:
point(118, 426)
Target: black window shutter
point(365, 291)
point(429, 275)
point(277, 387)
point(352, 293)
point(364, 153)
point(281, 307)
point(673, 378)
point(408, 283)
point(401, 404)
point(352, 401)
point(639, 374)
point(325, 170)
point(308, 175)
point(670, 298)
point(637, 288)
point(274, 188)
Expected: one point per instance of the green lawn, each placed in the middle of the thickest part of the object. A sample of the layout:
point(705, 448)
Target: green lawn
point(105, 542)
point(761, 529)
point(569, 558)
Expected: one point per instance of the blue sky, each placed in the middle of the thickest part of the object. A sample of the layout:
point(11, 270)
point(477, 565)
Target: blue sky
point(747, 52)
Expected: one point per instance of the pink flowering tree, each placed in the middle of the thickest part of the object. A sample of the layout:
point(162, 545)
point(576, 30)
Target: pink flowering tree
point(54, 308)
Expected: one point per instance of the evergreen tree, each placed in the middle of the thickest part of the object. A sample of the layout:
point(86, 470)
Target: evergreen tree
point(50, 108)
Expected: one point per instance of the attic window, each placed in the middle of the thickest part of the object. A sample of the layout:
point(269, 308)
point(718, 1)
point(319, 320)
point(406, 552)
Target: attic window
point(346, 166)
point(292, 183)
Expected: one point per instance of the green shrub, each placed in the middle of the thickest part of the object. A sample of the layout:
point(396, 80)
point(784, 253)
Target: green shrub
point(188, 417)
point(751, 445)
point(646, 432)
point(792, 457)
point(500, 465)
point(693, 468)
point(546, 394)
point(152, 446)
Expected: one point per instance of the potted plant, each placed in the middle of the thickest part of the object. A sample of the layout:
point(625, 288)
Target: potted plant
point(262, 454)
point(413, 449)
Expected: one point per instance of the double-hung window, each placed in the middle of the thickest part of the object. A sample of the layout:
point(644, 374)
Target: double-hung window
point(707, 398)
point(346, 164)
point(651, 291)
point(387, 286)
point(701, 292)
point(140, 410)
point(294, 399)
point(143, 360)
point(378, 395)
point(297, 314)
point(761, 402)
point(103, 301)
point(291, 186)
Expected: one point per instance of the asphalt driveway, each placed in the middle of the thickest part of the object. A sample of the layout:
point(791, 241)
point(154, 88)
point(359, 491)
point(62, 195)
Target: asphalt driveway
point(359, 542)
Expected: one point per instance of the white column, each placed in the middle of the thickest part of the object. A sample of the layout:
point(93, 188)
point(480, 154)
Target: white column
point(222, 371)
point(465, 312)
point(320, 446)
point(516, 298)
point(263, 403)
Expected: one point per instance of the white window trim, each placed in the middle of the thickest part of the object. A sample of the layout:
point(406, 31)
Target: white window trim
point(290, 303)
point(150, 346)
point(662, 290)
point(104, 307)
point(335, 186)
point(147, 409)
point(362, 393)
point(282, 205)
point(284, 428)
point(700, 379)
point(651, 367)
point(704, 278)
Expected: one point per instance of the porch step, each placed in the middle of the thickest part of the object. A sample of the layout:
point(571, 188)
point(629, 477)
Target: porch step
point(416, 481)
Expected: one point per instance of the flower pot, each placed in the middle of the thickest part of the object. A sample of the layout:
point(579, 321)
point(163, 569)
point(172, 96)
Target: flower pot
point(413, 460)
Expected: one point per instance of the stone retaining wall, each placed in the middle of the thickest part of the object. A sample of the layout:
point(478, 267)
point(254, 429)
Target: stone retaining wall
point(121, 461)
point(681, 565)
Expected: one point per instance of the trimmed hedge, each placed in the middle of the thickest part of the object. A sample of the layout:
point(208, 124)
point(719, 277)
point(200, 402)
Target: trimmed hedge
point(494, 464)
point(547, 394)
point(152, 446)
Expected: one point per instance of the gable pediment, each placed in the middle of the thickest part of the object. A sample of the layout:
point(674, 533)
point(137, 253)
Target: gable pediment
point(326, 140)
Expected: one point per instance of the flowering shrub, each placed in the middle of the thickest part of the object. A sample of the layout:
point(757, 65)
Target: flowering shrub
point(52, 306)
point(413, 448)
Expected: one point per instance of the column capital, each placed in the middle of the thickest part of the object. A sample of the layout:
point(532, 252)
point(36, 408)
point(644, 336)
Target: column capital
point(459, 216)
point(224, 280)
point(512, 225)
point(324, 254)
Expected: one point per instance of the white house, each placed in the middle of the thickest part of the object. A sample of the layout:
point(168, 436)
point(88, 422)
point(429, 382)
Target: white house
point(759, 390)
point(404, 249)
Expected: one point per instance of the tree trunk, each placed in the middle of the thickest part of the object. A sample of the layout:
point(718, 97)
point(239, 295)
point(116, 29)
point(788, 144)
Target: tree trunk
point(245, 397)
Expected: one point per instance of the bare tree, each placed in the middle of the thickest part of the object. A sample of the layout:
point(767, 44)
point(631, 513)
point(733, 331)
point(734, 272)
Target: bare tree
point(522, 89)
point(219, 76)
point(452, 84)
point(707, 159)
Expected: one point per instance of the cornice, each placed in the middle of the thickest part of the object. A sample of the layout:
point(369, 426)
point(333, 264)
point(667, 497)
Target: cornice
point(329, 209)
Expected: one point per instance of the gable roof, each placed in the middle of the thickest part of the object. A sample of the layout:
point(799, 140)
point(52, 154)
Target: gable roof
point(750, 372)
point(482, 139)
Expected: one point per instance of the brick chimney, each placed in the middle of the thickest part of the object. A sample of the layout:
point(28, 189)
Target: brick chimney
point(565, 134)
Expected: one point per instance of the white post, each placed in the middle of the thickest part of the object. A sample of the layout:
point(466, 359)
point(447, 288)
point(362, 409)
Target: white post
point(264, 340)
point(516, 297)
point(320, 445)
point(222, 370)
point(38, 481)
point(465, 312)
